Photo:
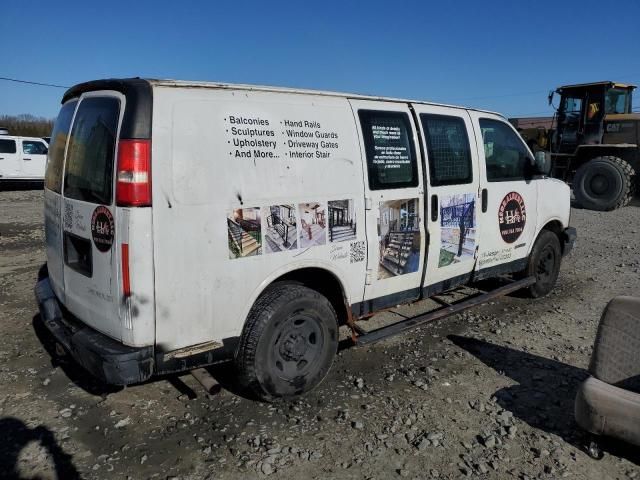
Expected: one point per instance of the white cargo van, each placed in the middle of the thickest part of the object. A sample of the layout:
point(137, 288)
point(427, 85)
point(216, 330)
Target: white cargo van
point(22, 159)
point(191, 222)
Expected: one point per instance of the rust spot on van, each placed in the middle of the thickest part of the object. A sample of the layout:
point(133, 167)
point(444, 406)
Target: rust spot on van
point(351, 321)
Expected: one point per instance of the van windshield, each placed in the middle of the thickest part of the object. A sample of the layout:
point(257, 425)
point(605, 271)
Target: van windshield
point(89, 172)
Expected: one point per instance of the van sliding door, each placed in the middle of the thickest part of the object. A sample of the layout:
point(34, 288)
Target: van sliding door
point(394, 199)
point(452, 193)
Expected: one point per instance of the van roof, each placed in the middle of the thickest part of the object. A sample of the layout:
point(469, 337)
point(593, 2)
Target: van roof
point(126, 83)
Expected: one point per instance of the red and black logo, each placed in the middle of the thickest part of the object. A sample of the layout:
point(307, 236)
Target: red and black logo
point(512, 217)
point(102, 228)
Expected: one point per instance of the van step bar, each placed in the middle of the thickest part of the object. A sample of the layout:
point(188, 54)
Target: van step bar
point(367, 337)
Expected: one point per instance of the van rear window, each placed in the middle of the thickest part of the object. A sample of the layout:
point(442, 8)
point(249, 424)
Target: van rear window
point(55, 163)
point(90, 155)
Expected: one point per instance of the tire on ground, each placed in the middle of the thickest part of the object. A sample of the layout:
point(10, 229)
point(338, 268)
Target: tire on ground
point(288, 342)
point(604, 183)
point(544, 264)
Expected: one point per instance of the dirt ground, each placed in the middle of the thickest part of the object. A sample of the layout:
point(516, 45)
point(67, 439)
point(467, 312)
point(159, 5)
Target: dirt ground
point(485, 394)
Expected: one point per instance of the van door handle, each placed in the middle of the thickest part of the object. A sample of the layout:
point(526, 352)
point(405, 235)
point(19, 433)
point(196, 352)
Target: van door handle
point(434, 208)
point(27, 159)
point(485, 199)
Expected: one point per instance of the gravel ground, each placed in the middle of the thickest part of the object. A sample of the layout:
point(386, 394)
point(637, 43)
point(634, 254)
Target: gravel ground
point(485, 394)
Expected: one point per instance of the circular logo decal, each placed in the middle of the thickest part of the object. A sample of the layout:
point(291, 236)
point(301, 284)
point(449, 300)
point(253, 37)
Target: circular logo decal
point(102, 228)
point(512, 217)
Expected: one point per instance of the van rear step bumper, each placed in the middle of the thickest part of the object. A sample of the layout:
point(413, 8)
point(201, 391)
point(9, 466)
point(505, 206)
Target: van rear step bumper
point(105, 358)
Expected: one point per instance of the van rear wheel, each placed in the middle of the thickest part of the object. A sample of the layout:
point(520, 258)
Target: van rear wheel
point(544, 264)
point(288, 343)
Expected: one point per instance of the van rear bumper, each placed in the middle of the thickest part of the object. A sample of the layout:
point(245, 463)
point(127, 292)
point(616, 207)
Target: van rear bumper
point(105, 358)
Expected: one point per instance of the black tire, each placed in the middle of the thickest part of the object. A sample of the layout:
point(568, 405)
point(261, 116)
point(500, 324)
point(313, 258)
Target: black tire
point(288, 343)
point(604, 183)
point(544, 264)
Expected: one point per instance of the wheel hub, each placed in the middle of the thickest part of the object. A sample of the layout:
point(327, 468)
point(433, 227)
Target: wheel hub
point(599, 184)
point(545, 264)
point(293, 347)
point(297, 346)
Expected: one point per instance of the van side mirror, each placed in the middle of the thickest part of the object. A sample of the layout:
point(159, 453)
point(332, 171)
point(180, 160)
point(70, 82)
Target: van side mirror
point(542, 162)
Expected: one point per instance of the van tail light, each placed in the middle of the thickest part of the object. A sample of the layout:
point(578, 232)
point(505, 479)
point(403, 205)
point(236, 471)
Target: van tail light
point(133, 177)
point(126, 282)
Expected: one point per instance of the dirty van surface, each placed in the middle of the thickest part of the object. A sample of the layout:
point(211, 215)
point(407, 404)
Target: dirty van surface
point(488, 393)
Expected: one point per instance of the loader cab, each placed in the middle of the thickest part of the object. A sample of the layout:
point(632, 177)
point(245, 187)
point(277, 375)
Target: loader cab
point(581, 112)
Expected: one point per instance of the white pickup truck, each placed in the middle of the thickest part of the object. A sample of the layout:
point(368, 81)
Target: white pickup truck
point(22, 158)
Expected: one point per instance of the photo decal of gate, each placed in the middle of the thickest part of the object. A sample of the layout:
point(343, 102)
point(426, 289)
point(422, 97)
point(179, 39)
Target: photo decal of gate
point(457, 228)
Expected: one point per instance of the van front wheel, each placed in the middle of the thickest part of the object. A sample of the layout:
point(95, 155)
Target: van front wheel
point(288, 343)
point(544, 263)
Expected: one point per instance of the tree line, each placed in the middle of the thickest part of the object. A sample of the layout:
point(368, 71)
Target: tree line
point(26, 125)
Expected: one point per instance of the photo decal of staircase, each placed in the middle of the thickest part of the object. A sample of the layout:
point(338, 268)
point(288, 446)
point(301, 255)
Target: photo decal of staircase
point(313, 224)
point(244, 232)
point(457, 229)
point(399, 238)
point(286, 227)
point(281, 230)
point(342, 221)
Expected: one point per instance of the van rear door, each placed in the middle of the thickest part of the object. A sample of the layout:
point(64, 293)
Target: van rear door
point(53, 196)
point(89, 253)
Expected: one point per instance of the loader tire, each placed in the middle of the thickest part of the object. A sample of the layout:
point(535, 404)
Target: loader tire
point(604, 183)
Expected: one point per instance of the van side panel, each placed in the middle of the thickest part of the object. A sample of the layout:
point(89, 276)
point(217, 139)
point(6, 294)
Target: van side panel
point(248, 186)
point(549, 208)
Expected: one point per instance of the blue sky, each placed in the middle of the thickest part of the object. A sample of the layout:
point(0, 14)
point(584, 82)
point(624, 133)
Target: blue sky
point(498, 55)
